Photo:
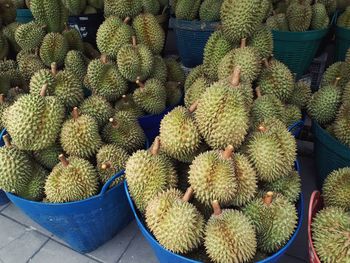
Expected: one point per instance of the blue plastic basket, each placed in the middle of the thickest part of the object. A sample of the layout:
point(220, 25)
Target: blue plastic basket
point(84, 225)
point(24, 16)
point(166, 256)
point(297, 127)
point(191, 37)
point(3, 198)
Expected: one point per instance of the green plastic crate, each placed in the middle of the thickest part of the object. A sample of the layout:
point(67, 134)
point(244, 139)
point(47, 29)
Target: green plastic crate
point(342, 40)
point(297, 49)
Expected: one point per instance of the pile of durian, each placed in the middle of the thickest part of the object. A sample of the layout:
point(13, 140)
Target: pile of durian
point(331, 225)
point(204, 10)
point(301, 15)
point(330, 105)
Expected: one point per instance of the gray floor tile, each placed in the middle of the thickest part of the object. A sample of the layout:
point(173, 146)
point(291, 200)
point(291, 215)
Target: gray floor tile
point(10, 231)
point(15, 213)
point(139, 251)
point(54, 252)
point(2, 207)
point(22, 248)
point(114, 249)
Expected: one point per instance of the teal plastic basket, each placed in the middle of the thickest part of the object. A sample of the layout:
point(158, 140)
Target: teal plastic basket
point(297, 49)
point(342, 42)
point(23, 16)
point(330, 154)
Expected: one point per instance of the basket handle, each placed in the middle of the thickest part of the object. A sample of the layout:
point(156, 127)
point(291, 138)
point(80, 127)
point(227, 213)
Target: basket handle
point(110, 181)
point(297, 124)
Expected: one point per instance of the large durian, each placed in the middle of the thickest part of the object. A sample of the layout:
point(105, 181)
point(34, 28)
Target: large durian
point(299, 15)
point(210, 10)
point(30, 35)
point(54, 48)
point(98, 108)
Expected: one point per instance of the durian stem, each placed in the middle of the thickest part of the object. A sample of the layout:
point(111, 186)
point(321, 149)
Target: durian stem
point(75, 113)
point(156, 146)
point(336, 81)
point(127, 20)
point(104, 58)
point(266, 62)
point(268, 198)
point(227, 154)
point(114, 123)
point(139, 82)
point(193, 107)
point(216, 207)
point(243, 42)
point(2, 98)
point(7, 141)
point(235, 77)
point(262, 128)
point(43, 90)
point(134, 42)
point(54, 68)
point(63, 160)
point(258, 92)
point(106, 165)
point(188, 195)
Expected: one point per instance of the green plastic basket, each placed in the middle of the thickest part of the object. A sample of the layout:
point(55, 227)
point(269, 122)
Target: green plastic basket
point(24, 16)
point(330, 154)
point(342, 42)
point(297, 49)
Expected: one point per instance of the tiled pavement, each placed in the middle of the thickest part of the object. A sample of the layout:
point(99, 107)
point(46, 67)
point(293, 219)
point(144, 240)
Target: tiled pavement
point(22, 240)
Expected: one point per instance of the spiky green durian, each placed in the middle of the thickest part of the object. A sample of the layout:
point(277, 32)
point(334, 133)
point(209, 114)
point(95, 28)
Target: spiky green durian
point(228, 229)
point(247, 58)
point(276, 79)
point(330, 234)
point(30, 35)
point(274, 218)
point(73, 179)
point(3, 106)
point(266, 8)
point(75, 7)
point(151, 6)
point(121, 8)
point(215, 49)
point(175, 71)
point(342, 4)
point(240, 18)
point(149, 32)
point(54, 48)
point(148, 174)
point(331, 5)
point(159, 70)
point(221, 116)
point(292, 114)
point(174, 93)
point(105, 79)
point(150, 96)
point(73, 39)
point(50, 13)
point(339, 70)
point(195, 91)
point(76, 63)
point(344, 19)
point(98, 108)
point(299, 16)
point(320, 19)
point(194, 74)
point(9, 33)
point(127, 103)
point(48, 157)
point(79, 136)
point(16, 168)
point(336, 189)
point(187, 10)
point(278, 22)
point(112, 34)
point(210, 10)
point(301, 94)
point(124, 131)
point(111, 160)
point(28, 64)
point(341, 126)
point(262, 40)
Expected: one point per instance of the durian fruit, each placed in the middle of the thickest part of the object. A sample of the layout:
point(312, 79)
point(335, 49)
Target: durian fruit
point(175, 71)
point(34, 190)
point(50, 13)
point(195, 91)
point(75, 7)
point(3, 106)
point(174, 93)
point(331, 5)
point(159, 70)
point(9, 32)
point(54, 48)
point(28, 64)
point(212, 177)
point(122, 8)
point(73, 179)
point(48, 156)
point(168, 213)
point(149, 32)
point(105, 79)
point(76, 62)
point(29, 36)
point(16, 168)
point(111, 160)
point(274, 218)
point(341, 126)
point(229, 236)
point(278, 22)
point(292, 114)
point(124, 131)
point(126, 103)
point(320, 19)
point(339, 70)
point(150, 96)
point(262, 40)
point(73, 39)
point(210, 10)
point(336, 190)
point(221, 116)
point(301, 94)
point(266, 8)
point(112, 34)
point(134, 61)
point(342, 4)
point(179, 136)
point(151, 6)
point(330, 234)
point(79, 136)
point(215, 49)
point(195, 73)
point(248, 58)
point(98, 108)
point(276, 79)
point(240, 18)
point(149, 173)
point(299, 15)
point(187, 10)
point(34, 121)
point(324, 103)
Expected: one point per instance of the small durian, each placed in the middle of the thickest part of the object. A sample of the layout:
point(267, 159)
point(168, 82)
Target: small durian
point(299, 15)
point(301, 94)
point(187, 10)
point(292, 114)
point(48, 156)
point(159, 70)
point(195, 91)
point(340, 70)
point(29, 36)
point(175, 71)
point(151, 6)
point(54, 48)
point(122, 9)
point(76, 63)
point(73, 39)
point(174, 93)
point(320, 19)
point(210, 10)
point(29, 64)
point(126, 103)
point(341, 126)
point(278, 22)
point(194, 74)
point(262, 40)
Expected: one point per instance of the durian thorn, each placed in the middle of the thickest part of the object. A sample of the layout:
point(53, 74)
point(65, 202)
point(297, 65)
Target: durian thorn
point(266, 62)
point(7, 141)
point(243, 42)
point(140, 83)
point(216, 207)
point(188, 195)
point(103, 58)
point(114, 123)
point(43, 90)
point(235, 77)
point(127, 20)
point(258, 92)
point(106, 165)
point(262, 128)
point(63, 160)
point(134, 42)
point(2, 98)
point(268, 198)
point(228, 152)
point(193, 107)
point(336, 81)
point(54, 68)
point(75, 113)
point(156, 146)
